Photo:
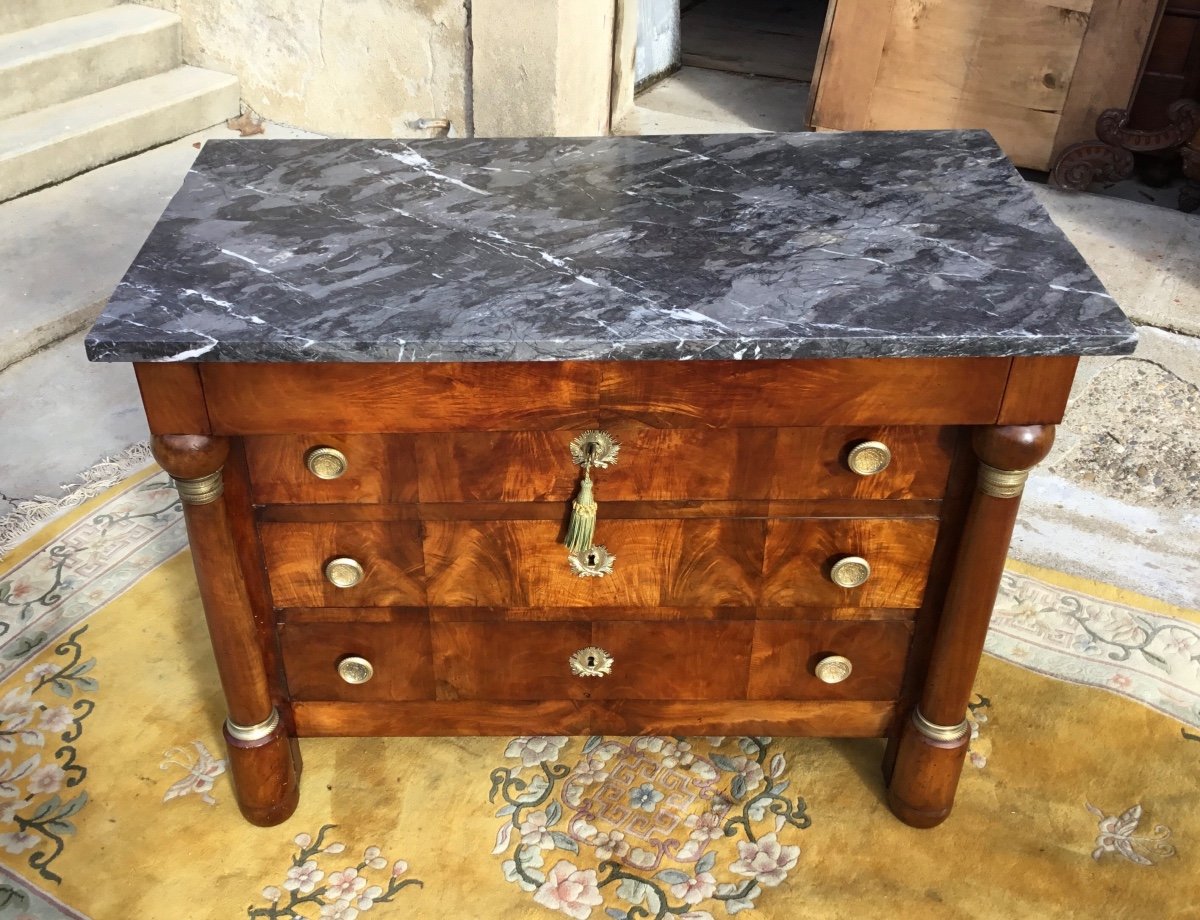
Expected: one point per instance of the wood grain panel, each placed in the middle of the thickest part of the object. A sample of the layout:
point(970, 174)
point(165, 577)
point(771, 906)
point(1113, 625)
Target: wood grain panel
point(173, 398)
point(378, 469)
point(349, 398)
point(784, 659)
point(658, 563)
point(799, 555)
point(399, 651)
point(694, 464)
point(1037, 391)
point(552, 614)
point(694, 660)
point(826, 719)
point(389, 552)
point(508, 396)
point(844, 391)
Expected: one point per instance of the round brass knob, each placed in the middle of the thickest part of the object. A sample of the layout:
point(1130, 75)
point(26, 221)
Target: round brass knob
point(355, 670)
point(850, 571)
point(591, 662)
point(833, 669)
point(343, 572)
point(869, 458)
point(325, 462)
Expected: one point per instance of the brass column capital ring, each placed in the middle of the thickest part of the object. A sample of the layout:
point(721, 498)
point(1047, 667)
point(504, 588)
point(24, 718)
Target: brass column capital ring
point(1001, 483)
point(202, 491)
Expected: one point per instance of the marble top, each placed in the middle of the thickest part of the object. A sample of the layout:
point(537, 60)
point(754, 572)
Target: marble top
point(913, 243)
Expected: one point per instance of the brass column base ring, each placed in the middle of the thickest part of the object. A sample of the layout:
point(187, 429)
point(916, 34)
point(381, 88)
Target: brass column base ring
point(941, 734)
point(248, 734)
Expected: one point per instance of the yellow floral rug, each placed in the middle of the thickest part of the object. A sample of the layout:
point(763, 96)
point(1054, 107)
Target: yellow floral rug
point(1081, 797)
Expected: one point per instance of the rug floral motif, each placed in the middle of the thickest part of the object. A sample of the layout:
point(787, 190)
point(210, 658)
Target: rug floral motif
point(646, 827)
point(600, 828)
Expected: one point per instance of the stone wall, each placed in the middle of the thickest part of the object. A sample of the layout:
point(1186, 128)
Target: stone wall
point(376, 67)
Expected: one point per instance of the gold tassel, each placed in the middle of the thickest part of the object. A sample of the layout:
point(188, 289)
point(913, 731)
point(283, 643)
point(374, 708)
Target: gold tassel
point(581, 529)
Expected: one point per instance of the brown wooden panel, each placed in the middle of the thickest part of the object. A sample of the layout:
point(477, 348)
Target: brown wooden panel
point(785, 656)
point(827, 719)
point(510, 396)
point(564, 395)
point(799, 555)
point(379, 468)
point(399, 652)
point(389, 552)
point(611, 510)
point(859, 391)
point(1037, 391)
point(697, 463)
point(173, 398)
point(658, 563)
point(691, 660)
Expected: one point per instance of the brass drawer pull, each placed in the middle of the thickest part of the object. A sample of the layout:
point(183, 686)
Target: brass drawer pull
point(869, 458)
point(833, 669)
point(850, 572)
point(325, 462)
point(343, 572)
point(591, 662)
point(355, 670)
point(592, 563)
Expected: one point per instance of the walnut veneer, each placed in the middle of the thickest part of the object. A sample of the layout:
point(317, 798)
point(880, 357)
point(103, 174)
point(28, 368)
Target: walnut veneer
point(730, 504)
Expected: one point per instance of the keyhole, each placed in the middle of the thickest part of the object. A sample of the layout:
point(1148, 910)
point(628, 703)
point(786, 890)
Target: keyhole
point(591, 559)
point(591, 661)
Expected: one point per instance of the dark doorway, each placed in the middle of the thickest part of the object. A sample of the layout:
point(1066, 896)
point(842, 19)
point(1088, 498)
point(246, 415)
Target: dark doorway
point(766, 38)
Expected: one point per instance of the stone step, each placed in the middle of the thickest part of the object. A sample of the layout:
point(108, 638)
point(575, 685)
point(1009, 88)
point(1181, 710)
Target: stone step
point(16, 15)
point(48, 145)
point(64, 60)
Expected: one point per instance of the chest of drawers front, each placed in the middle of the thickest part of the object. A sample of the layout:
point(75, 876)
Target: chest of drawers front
point(386, 555)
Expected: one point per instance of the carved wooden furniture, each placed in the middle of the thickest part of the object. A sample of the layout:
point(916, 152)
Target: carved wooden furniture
point(806, 520)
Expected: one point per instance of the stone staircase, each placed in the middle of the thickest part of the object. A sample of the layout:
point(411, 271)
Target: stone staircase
point(86, 82)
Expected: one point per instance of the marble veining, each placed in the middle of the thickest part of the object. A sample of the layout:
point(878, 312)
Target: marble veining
point(915, 243)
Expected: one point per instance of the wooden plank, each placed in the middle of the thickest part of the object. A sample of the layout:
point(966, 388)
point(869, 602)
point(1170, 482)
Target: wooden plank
point(173, 397)
point(1037, 392)
point(1003, 65)
point(822, 57)
point(854, 43)
point(824, 719)
point(1119, 36)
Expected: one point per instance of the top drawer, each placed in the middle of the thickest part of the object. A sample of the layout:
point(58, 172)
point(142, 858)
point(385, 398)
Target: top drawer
point(653, 465)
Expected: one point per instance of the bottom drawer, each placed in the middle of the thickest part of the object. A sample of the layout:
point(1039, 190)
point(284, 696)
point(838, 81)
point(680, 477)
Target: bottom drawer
point(414, 659)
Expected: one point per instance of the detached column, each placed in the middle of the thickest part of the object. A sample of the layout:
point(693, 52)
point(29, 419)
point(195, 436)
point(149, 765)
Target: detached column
point(262, 764)
point(933, 742)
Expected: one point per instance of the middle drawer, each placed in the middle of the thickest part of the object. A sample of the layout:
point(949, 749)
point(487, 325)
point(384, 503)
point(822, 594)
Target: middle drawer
point(743, 562)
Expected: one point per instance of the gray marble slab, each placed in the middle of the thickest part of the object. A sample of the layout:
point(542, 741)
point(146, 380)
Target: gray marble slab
point(726, 246)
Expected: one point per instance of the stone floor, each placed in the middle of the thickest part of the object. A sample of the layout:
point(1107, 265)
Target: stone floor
point(1118, 500)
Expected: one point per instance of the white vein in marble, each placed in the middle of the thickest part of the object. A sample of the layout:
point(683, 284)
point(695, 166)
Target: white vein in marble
point(917, 243)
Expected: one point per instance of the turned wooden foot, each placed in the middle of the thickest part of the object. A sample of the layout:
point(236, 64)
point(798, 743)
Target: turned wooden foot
point(926, 772)
point(263, 767)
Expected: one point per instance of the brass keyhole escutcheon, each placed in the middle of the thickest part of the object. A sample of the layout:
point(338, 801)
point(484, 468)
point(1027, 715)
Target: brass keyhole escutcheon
point(591, 662)
point(592, 563)
point(595, 447)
